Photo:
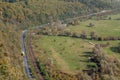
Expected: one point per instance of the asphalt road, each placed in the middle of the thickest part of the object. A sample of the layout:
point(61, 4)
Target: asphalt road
point(25, 60)
point(26, 65)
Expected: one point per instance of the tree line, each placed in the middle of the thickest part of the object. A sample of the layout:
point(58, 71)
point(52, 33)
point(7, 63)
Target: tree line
point(37, 11)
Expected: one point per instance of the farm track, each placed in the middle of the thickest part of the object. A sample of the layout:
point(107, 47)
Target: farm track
point(32, 58)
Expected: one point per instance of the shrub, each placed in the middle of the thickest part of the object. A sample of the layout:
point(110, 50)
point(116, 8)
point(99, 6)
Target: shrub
point(91, 25)
point(83, 35)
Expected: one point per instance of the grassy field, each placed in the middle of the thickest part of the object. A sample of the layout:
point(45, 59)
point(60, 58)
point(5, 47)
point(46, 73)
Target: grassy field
point(68, 54)
point(101, 28)
point(115, 16)
point(71, 55)
point(110, 50)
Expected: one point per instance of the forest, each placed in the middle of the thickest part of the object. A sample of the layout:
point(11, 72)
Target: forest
point(35, 12)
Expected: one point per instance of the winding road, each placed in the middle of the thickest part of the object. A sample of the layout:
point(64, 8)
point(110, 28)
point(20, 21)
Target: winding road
point(28, 54)
point(25, 59)
point(26, 65)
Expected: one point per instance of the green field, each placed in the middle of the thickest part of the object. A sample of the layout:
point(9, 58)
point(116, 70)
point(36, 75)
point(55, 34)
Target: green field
point(101, 27)
point(114, 16)
point(69, 54)
point(110, 50)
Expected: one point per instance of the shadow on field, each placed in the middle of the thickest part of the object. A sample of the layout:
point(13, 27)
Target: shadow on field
point(86, 61)
point(115, 49)
point(91, 66)
point(90, 63)
point(86, 55)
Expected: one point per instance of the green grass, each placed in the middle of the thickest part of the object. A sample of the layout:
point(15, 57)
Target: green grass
point(102, 27)
point(114, 16)
point(109, 50)
point(72, 52)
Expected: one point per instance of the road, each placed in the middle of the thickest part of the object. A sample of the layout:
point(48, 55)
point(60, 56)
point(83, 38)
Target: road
point(26, 65)
point(29, 54)
point(88, 15)
point(25, 59)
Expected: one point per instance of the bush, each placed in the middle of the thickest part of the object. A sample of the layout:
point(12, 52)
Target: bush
point(83, 35)
point(91, 25)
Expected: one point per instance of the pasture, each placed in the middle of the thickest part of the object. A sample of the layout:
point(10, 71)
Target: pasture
point(101, 27)
point(68, 54)
point(71, 55)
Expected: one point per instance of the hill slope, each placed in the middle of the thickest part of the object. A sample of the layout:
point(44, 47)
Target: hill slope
point(10, 54)
point(20, 14)
point(39, 11)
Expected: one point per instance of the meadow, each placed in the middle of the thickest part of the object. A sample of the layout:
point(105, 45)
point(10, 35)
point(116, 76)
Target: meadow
point(101, 27)
point(68, 54)
point(71, 55)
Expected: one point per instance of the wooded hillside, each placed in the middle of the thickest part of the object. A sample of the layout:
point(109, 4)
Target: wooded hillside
point(39, 11)
point(21, 14)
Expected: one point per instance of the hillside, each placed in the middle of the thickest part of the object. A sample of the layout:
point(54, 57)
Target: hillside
point(34, 12)
point(10, 53)
point(88, 50)
point(17, 15)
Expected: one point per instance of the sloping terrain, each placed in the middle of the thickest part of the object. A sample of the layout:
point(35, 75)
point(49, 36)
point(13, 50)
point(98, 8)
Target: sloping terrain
point(34, 12)
point(10, 54)
point(17, 15)
point(75, 51)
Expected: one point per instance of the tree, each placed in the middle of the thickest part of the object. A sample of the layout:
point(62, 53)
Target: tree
point(97, 50)
point(92, 34)
point(83, 35)
point(11, 1)
point(91, 25)
point(119, 47)
point(75, 35)
point(51, 20)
